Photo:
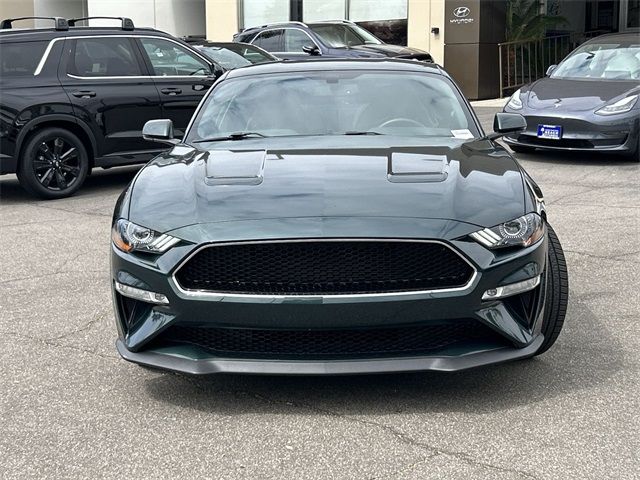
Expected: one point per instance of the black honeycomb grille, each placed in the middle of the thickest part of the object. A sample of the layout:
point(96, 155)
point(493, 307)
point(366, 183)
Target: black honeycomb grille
point(395, 341)
point(324, 268)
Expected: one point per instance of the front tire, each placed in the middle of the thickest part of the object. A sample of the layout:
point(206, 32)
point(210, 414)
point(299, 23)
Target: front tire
point(54, 164)
point(557, 294)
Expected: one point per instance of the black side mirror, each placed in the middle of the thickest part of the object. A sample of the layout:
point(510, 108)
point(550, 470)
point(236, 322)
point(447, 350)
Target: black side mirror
point(311, 49)
point(508, 122)
point(159, 131)
point(550, 70)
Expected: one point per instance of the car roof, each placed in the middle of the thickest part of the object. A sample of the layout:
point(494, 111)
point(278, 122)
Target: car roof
point(35, 34)
point(324, 64)
point(622, 37)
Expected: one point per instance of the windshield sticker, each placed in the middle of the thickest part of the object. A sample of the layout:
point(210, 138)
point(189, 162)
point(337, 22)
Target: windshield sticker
point(464, 133)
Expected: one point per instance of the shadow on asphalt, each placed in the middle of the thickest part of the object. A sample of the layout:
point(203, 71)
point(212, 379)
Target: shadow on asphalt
point(584, 356)
point(100, 182)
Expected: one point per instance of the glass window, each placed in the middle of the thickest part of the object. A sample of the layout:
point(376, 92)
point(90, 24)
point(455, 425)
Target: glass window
point(368, 10)
point(611, 61)
point(235, 55)
point(316, 10)
point(633, 14)
point(270, 40)
point(295, 39)
point(343, 35)
point(333, 103)
point(261, 12)
point(20, 59)
point(103, 57)
point(170, 59)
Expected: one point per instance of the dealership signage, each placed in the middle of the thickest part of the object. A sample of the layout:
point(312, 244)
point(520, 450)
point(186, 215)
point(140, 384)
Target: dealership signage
point(461, 16)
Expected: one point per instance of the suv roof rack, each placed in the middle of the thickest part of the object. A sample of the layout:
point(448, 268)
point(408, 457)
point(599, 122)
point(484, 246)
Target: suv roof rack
point(59, 22)
point(127, 23)
point(349, 22)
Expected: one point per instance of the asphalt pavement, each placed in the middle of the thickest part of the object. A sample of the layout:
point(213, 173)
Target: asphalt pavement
point(71, 408)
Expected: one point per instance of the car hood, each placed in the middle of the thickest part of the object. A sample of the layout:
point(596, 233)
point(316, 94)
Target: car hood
point(463, 182)
point(386, 50)
point(572, 95)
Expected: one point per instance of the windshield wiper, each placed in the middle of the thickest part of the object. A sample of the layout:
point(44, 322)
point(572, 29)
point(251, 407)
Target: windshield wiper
point(231, 136)
point(362, 133)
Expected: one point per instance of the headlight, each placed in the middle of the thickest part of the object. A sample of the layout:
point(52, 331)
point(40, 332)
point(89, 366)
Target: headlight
point(128, 236)
point(520, 232)
point(515, 102)
point(621, 106)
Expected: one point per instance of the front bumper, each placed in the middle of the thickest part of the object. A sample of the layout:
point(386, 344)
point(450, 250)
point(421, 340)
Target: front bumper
point(582, 131)
point(515, 336)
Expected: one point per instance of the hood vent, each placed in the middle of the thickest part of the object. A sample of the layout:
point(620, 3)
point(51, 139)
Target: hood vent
point(226, 167)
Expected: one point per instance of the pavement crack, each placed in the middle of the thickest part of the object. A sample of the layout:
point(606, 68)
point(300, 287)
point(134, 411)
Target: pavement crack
point(51, 343)
point(613, 258)
point(88, 325)
point(399, 435)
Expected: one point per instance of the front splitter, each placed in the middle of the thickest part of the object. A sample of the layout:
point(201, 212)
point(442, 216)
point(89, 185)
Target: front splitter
point(205, 366)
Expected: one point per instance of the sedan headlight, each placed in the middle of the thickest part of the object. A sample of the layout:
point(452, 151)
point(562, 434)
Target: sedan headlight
point(621, 106)
point(520, 232)
point(515, 102)
point(128, 236)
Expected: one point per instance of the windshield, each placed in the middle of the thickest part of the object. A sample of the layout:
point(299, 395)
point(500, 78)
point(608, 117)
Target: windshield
point(233, 56)
point(341, 35)
point(334, 103)
point(610, 61)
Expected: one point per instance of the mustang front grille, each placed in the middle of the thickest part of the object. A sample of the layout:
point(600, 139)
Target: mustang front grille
point(394, 341)
point(322, 267)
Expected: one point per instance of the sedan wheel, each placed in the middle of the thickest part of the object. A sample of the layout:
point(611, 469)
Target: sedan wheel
point(557, 296)
point(54, 164)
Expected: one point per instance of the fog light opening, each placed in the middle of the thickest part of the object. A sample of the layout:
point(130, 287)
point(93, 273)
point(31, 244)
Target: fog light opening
point(511, 289)
point(143, 295)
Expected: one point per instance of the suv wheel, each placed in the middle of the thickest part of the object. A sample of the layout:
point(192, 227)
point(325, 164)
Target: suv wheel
point(557, 295)
point(54, 164)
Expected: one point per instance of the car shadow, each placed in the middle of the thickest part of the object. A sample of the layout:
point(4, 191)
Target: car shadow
point(100, 182)
point(595, 159)
point(575, 363)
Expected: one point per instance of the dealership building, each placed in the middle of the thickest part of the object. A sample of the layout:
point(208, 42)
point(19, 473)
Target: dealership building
point(467, 37)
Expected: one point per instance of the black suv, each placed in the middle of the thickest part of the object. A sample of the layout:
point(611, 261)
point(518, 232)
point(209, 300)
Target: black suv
point(73, 98)
point(337, 38)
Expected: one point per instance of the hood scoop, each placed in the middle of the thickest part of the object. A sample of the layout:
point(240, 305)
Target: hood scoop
point(417, 168)
point(225, 167)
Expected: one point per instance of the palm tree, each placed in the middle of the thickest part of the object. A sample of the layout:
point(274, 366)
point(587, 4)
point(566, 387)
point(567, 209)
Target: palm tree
point(525, 22)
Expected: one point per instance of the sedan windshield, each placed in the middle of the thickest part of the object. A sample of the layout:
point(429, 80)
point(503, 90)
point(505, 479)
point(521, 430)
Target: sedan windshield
point(333, 103)
point(235, 56)
point(609, 61)
point(342, 35)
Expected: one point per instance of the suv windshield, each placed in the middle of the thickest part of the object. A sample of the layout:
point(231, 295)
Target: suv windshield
point(604, 60)
point(334, 103)
point(342, 35)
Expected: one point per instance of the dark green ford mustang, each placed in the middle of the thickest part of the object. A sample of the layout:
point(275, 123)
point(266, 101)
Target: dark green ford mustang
point(334, 217)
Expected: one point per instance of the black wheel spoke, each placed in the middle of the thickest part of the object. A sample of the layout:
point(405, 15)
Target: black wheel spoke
point(41, 164)
point(47, 177)
point(60, 180)
point(71, 170)
point(46, 152)
point(69, 154)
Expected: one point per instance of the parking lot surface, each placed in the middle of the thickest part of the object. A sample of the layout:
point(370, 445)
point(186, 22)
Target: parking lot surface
point(71, 408)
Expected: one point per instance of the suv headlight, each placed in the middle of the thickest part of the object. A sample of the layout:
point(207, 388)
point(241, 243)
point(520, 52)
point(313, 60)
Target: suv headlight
point(515, 102)
point(519, 232)
point(621, 106)
point(127, 236)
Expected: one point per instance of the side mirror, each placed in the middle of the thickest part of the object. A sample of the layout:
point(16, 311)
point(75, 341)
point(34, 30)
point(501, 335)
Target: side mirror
point(550, 70)
point(159, 131)
point(508, 122)
point(311, 49)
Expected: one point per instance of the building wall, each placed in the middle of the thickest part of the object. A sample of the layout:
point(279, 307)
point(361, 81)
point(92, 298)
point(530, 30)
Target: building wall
point(178, 17)
point(222, 19)
point(17, 8)
point(422, 16)
point(58, 8)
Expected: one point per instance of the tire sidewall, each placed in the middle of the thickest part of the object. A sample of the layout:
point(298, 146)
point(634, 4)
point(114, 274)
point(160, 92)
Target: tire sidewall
point(27, 176)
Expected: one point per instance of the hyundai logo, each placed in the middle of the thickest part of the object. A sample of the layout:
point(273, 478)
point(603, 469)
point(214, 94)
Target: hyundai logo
point(462, 12)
